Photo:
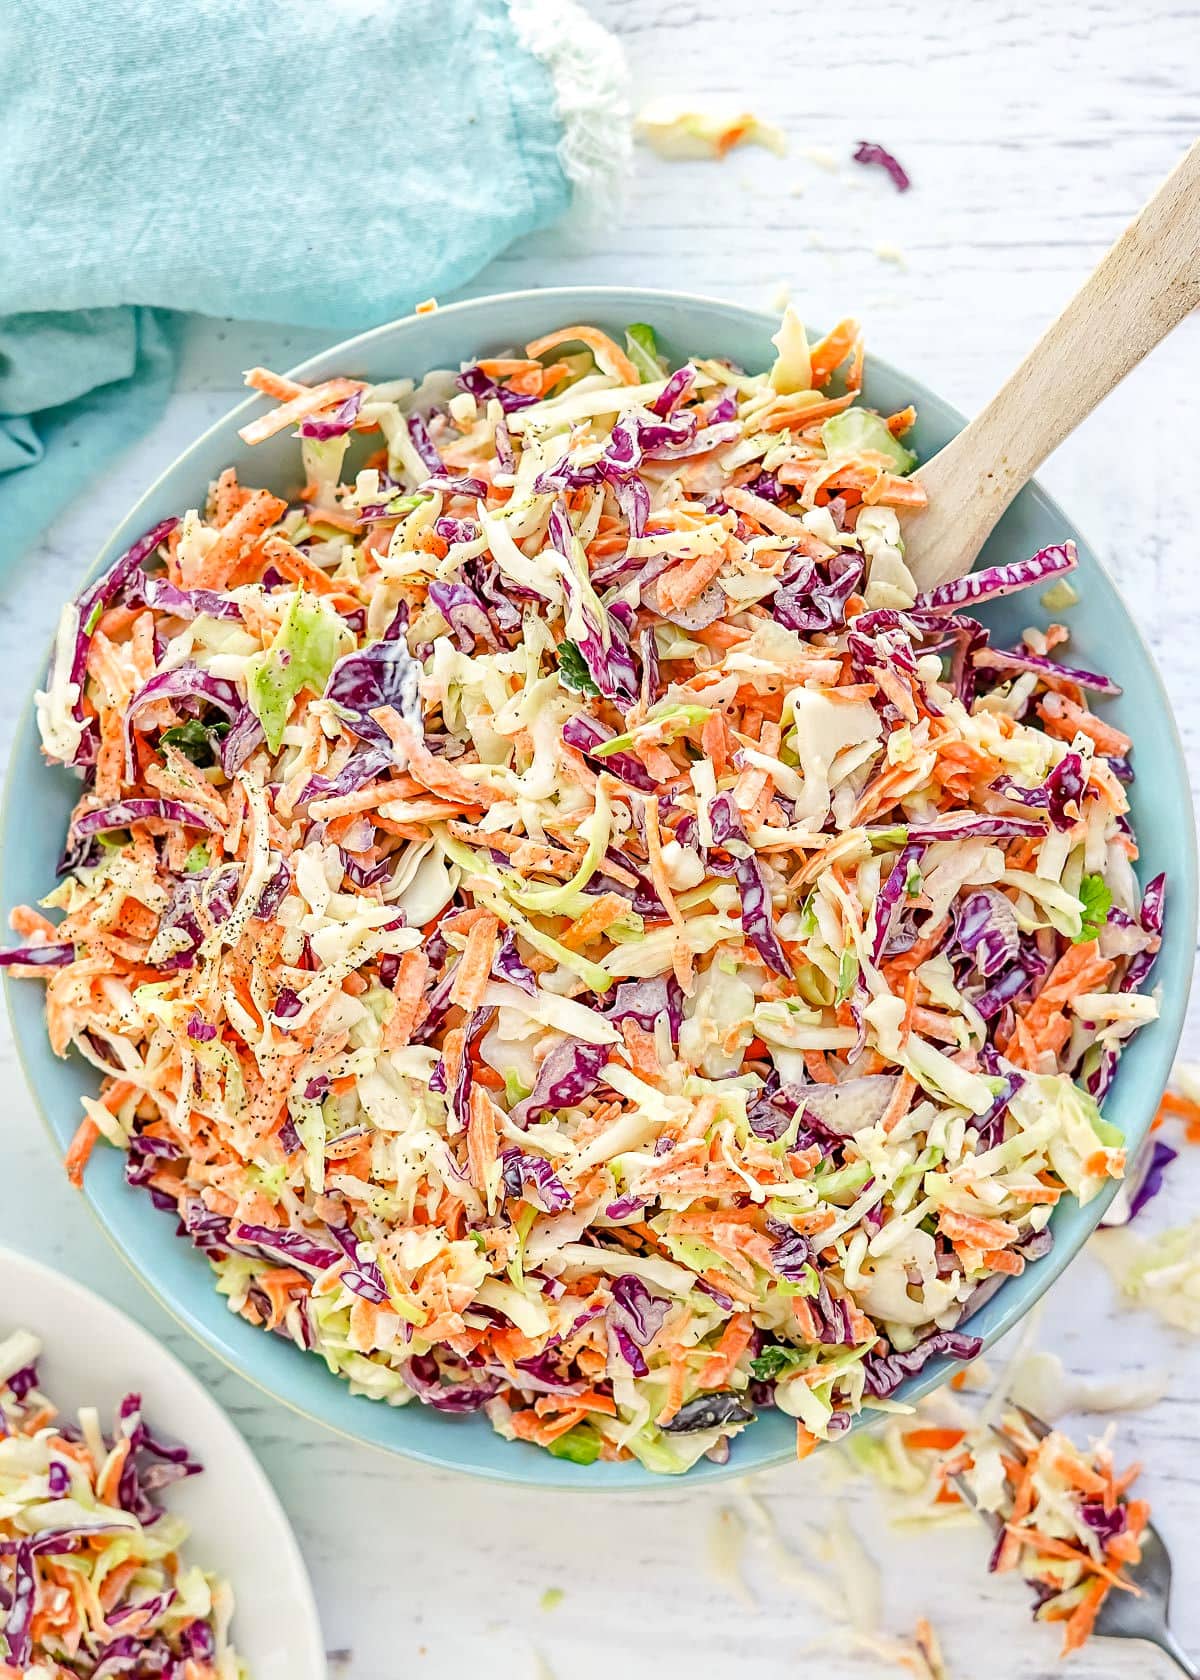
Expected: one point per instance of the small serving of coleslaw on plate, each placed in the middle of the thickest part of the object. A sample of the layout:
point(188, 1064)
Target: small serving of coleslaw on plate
point(563, 924)
point(91, 1580)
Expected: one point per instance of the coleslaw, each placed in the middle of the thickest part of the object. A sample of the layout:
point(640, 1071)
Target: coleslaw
point(1062, 1513)
point(91, 1581)
point(567, 929)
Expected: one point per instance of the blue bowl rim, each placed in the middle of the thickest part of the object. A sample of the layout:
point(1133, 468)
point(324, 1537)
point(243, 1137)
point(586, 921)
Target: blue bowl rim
point(1016, 1297)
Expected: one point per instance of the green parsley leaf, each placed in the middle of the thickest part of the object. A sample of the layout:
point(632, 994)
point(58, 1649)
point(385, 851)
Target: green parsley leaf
point(1095, 901)
point(572, 670)
point(774, 1360)
point(195, 740)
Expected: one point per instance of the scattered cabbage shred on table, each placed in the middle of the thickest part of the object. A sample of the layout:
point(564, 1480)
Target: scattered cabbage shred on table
point(569, 931)
point(91, 1582)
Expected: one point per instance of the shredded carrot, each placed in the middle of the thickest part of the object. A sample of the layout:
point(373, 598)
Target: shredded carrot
point(734, 1341)
point(273, 385)
point(298, 407)
point(806, 1442)
point(969, 1230)
point(109, 1479)
point(596, 919)
point(432, 773)
point(1065, 719)
point(933, 1440)
point(610, 357)
point(80, 1151)
point(31, 924)
point(817, 1067)
point(1054, 1547)
point(256, 515)
point(483, 1134)
point(293, 564)
point(408, 989)
point(828, 355)
point(475, 966)
point(788, 412)
point(1075, 1472)
point(902, 421)
point(1182, 1107)
point(686, 582)
point(898, 1103)
point(1082, 1620)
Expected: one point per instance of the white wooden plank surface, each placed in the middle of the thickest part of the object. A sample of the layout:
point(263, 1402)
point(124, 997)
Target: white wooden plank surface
point(1032, 133)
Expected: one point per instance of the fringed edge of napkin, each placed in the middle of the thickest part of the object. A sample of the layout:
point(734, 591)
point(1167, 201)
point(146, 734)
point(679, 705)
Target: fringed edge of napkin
point(591, 85)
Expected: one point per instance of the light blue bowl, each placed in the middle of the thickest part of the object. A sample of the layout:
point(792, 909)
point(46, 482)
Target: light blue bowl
point(39, 800)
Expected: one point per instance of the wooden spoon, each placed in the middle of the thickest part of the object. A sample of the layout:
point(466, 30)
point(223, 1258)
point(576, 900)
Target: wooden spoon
point(1144, 286)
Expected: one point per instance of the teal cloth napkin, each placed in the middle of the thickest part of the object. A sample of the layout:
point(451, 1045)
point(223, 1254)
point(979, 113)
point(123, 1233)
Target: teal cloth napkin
point(314, 162)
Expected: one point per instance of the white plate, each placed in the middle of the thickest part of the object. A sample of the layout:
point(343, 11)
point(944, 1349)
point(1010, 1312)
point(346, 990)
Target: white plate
point(92, 1355)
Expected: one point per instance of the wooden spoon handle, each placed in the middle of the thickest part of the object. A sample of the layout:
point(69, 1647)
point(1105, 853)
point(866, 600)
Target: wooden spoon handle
point(1145, 286)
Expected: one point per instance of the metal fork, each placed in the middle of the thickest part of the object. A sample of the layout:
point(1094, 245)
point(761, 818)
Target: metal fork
point(1123, 1615)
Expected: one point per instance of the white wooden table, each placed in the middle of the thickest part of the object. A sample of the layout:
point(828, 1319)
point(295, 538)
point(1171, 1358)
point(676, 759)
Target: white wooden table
point(1032, 132)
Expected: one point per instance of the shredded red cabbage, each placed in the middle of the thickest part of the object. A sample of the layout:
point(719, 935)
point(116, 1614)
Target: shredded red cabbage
point(533, 1177)
point(1020, 659)
point(888, 898)
point(586, 733)
point(994, 581)
point(183, 682)
point(464, 612)
point(37, 956)
point(867, 151)
point(382, 674)
point(424, 1375)
point(1151, 917)
point(1061, 794)
point(985, 928)
point(162, 595)
point(127, 811)
point(100, 595)
point(757, 919)
point(976, 827)
point(885, 1372)
point(647, 1002)
point(294, 1248)
point(335, 424)
point(509, 965)
point(244, 736)
point(569, 1073)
